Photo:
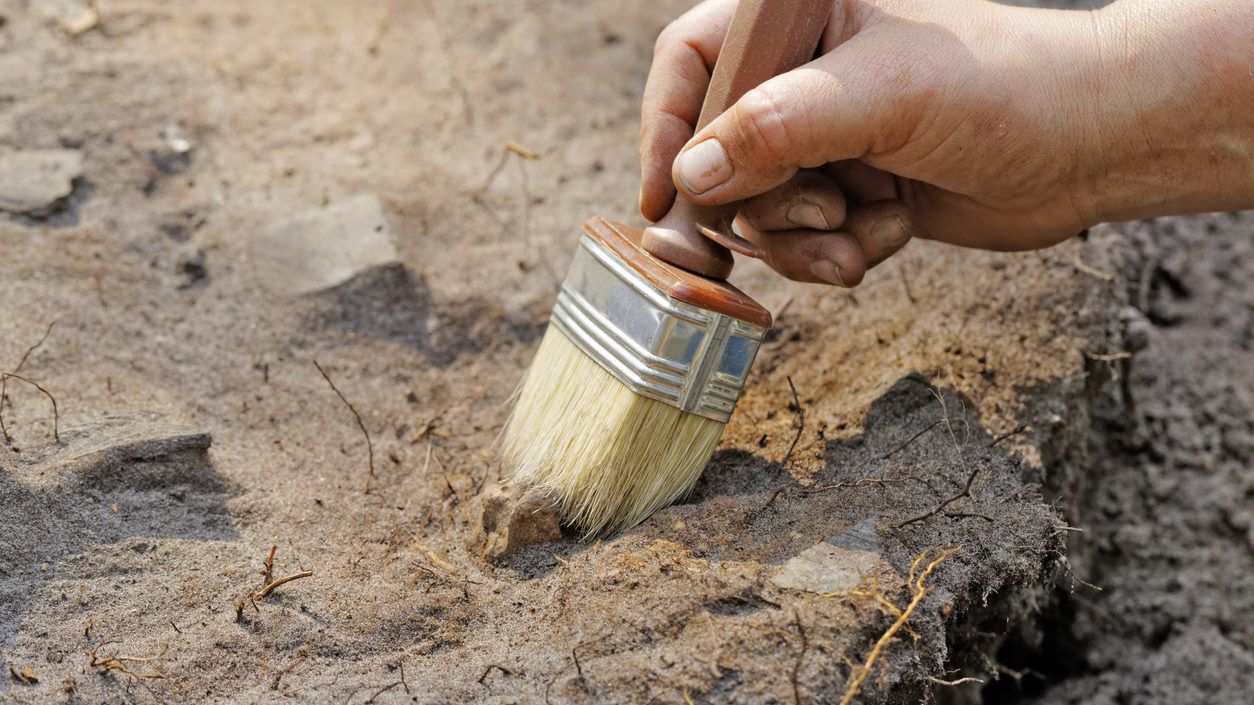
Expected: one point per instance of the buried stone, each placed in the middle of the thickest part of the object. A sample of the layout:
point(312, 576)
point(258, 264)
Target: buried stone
point(32, 181)
point(514, 519)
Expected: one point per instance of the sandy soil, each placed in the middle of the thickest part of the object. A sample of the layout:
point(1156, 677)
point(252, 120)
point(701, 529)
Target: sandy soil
point(195, 431)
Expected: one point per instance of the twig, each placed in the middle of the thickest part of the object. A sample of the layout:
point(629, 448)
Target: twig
point(801, 423)
point(778, 491)
point(118, 663)
point(268, 573)
point(4, 381)
point(944, 504)
point(578, 668)
point(905, 281)
point(56, 414)
point(488, 670)
point(381, 691)
point(796, 666)
point(1009, 434)
point(360, 423)
point(404, 683)
point(965, 492)
point(970, 515)
point(912, 439)
point(269, 588)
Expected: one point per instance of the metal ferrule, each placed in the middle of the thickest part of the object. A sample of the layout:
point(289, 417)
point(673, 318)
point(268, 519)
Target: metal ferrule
point(668, 350)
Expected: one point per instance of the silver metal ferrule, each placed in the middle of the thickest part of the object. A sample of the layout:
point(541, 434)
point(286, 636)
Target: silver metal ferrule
point(664, 349)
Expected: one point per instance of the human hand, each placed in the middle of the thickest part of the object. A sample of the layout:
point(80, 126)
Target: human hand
point(959, 120)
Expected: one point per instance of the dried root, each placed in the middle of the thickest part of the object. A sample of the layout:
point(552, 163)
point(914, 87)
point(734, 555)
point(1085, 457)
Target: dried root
point(925, 563)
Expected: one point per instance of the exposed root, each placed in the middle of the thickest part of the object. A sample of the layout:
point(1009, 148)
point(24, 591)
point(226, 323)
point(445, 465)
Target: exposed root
point(925, 563)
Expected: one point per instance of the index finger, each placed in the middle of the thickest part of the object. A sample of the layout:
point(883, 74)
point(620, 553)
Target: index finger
point(683, 59)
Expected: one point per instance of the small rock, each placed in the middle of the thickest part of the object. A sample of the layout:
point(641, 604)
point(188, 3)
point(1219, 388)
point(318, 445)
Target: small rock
point(31, 180)
point(511, 521)
point(834, 565)
point(76, 18)
point(321, 248)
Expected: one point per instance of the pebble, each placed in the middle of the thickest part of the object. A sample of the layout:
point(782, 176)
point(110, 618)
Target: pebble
point(32, 180)
point(321, 248)
point(834, 565)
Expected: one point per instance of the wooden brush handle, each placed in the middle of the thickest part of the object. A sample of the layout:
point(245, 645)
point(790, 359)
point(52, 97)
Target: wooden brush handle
point(766, 38)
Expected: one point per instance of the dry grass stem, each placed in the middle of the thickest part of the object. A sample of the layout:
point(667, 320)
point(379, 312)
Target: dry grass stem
point(911, 439)
point(1009, 434)
point(801, 423)
point(4, 381)
point(801, 654)
point(269, 588)
point(360, 423)
point(56, 414)
point(268, 572)
point(1091, 270)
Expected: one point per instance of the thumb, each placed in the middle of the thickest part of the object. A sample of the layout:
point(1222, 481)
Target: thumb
point(825, 111)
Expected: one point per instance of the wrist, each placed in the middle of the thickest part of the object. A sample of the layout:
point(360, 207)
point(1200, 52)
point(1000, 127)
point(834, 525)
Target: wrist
point(1171, 95)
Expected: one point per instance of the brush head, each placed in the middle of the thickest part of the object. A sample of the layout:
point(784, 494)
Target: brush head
point(637, 374)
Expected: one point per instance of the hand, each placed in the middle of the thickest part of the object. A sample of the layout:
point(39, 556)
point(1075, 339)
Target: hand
point(959, 120)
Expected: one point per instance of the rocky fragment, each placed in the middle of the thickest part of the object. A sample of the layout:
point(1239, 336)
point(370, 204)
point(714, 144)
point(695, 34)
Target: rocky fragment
point(514, 519)
point(76, 18)
point(836, 564)
point(324, 247)
point(34, 179)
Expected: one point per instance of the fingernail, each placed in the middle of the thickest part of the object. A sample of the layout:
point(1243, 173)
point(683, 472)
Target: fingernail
point(889, 231)
point(703, 166)
point(828, 271)
point(807, 215)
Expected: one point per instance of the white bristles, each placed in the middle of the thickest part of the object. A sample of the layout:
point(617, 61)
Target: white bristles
point(609, 456)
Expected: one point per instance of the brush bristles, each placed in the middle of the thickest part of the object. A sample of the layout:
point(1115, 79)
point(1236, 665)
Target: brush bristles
point(609, 456)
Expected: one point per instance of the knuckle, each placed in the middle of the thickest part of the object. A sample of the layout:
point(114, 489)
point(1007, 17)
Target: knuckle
point(763, 125)
point(668, 37)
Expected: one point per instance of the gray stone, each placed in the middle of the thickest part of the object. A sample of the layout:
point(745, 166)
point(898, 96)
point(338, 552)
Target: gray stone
point(829, 567)
point(324, 247)
point(31, 180)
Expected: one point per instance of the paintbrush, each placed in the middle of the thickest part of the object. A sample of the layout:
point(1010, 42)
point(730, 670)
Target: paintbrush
point(649, 347)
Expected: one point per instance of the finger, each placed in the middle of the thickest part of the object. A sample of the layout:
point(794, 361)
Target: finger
point(814, 256)
point(881, 228)
point(831, 109)
point(682, 61)
point(808, 200)
point(860, 182)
